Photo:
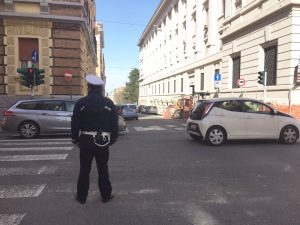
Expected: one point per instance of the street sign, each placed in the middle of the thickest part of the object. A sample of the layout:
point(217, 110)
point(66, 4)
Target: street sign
point(35, 56)
point(68, 75)
point(241, 82)
point(217, 77)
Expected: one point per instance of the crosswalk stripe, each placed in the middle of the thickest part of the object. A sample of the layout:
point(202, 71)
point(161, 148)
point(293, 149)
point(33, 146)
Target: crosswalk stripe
point(37, 143)
point(37, 149)
point(21, 191)
point(13, 171)
point(10, 158)
point(11, 219)
point(149, 128)
point(180, 128)
point(34, 140)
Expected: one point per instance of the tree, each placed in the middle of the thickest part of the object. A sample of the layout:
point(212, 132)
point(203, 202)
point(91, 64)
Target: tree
point(131, 92)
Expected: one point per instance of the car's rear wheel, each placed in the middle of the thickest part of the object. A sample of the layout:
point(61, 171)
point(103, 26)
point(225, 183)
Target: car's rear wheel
point(289, 135)
point(29, 129)
point(215, 136)
point(195, 137)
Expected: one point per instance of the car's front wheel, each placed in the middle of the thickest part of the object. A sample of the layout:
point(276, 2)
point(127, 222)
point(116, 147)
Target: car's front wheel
point(289, 135)
point(28, 129)
point(215, 136)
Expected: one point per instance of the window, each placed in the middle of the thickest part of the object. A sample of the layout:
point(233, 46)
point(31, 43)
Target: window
point(53, 106)
point(256, 107)
point(69, 106)
point(271, 65)
point(202, 82)
point(231, 105)
point(174, 86)
point(235, 71)
point(26, 47)
point(28, 105)
point(181, 84)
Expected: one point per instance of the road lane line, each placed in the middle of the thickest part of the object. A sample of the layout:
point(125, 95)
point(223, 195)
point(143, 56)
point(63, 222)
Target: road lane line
point(36, 149)
point(17, 171)
point(37, 143)
point(11, 219)
point(13, 158)
point(21, 191)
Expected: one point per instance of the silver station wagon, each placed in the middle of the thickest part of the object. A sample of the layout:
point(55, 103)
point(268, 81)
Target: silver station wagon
point(30, 118)
point(33, 117)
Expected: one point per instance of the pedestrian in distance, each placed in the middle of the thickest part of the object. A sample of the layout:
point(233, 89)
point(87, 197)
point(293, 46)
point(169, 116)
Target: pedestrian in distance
point(94, 128)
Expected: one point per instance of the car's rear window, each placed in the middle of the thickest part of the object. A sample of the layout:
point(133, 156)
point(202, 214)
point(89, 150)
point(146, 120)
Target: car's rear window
point(129, 108)
point(28, 105)
point(199, 109)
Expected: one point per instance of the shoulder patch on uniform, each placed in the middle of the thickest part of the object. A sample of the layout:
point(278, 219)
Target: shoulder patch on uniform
point(82, 108)
point(108, 108)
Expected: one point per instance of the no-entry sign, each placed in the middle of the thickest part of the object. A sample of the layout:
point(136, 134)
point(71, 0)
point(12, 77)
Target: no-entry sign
point(68, 75)
point(241, 82)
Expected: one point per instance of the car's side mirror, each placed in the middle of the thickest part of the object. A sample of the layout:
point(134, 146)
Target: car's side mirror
point(273, 111)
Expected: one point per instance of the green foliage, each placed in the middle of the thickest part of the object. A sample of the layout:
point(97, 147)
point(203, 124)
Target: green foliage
point(131, 92)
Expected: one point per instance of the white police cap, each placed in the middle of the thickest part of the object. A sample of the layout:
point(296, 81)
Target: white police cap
point(94, 80)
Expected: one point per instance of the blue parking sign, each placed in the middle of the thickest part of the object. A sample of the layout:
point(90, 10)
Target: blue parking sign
point(35, 56)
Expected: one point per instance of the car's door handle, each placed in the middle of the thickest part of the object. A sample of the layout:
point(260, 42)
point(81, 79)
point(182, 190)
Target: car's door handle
point(249, 117)
point(44, 114)
point(69, 115)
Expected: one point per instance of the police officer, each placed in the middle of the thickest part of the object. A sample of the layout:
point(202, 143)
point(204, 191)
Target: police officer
point(94, 117)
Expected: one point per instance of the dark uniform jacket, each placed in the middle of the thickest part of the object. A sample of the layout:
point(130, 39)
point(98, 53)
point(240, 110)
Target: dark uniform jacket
point(94, 113)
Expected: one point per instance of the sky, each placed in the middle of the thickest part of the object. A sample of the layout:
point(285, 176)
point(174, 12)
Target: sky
point(123, 22)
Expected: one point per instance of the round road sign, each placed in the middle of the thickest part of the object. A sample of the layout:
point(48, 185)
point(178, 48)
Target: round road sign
point(68, 75)
point(241, 82)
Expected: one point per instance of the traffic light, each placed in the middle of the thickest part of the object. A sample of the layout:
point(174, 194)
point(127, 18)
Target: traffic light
point(39, 76)
point(261, 77)
point(25, 76)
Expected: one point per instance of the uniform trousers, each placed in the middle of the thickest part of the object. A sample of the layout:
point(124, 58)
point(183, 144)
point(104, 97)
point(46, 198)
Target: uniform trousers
point(88, 150)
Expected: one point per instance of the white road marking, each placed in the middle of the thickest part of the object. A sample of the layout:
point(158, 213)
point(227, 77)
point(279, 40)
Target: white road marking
point(11, 219)
point(15, 171)
point(180, 128)
point(21, 191)
point(149, 128)
point(10, 158)
point(171, 126)
point(35, 140)
point(38, 143)
point(36, 149)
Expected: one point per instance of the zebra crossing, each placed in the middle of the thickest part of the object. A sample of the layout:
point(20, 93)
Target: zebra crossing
point(13, 154)
point(168, 127)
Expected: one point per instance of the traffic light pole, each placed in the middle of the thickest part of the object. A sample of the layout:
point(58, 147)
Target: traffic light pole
point(265, 86)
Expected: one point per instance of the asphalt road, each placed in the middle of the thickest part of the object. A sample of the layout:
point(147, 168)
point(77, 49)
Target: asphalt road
point(159, 176)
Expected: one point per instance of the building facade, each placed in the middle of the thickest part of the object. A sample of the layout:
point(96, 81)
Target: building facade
point(215, 48)
point(63, 34)
point(100, 70)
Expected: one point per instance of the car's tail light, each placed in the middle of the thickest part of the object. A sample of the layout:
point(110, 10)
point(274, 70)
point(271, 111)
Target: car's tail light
point(207, 109)
point(8, 113)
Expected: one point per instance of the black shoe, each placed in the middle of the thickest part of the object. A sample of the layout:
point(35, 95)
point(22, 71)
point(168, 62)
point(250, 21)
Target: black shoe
point(105, 200)
point(81, 201)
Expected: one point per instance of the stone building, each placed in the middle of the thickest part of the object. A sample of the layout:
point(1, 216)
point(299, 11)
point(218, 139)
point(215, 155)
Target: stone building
point(205, 48)
point(100, 70)
point(63, 34)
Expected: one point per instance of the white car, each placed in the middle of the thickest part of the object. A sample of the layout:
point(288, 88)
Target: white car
point(221, 119)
